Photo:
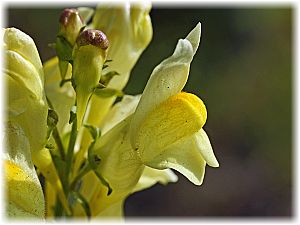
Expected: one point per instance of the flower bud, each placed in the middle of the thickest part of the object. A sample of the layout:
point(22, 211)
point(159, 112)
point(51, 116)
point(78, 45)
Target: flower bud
point(70, 24)
point(89, 56)
point(93, 37)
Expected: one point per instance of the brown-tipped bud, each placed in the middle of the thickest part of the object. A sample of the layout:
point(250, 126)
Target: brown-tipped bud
point(70, 24)
point(93, 37)
point(65, 16)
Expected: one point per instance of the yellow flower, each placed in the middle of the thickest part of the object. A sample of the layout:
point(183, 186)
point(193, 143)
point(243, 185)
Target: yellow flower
point(26, 122)
point(172, 118)
point(93, 190)
point(164, 131)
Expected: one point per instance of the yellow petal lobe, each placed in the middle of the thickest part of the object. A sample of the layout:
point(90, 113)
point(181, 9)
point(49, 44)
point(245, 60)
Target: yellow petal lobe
point(179, 116)
point(23, 190)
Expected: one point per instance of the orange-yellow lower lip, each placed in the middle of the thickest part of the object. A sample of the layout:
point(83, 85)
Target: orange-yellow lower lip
point(179, 116)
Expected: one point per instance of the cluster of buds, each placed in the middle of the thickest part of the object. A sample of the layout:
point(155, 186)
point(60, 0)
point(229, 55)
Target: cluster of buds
point(86, 50)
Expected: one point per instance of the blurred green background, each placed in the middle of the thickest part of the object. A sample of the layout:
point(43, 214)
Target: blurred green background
point(243, 72)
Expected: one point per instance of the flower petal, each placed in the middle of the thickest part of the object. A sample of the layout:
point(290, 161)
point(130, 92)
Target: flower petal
point(152, 176)
point(24, 192)
point(115, 211)
point(179, 116)
point(129, 30)
point(25, 86)
point(205, 148)
point(120, 111)
point(21, 43)
point(184, 157)
point(119, 163)
point(193, 37)
point(166, 80)
point(120, 166)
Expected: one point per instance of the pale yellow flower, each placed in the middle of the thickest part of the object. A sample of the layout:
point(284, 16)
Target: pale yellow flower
point(26, 128)
point(164, 131)
point(26, 120)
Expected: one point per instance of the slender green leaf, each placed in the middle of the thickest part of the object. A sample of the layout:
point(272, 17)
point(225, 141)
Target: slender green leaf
point(63, 49)
point(94, 131)
point(107, 92)
point(105, 78)
point(52, 120)
point(83, 202)
point(72, 114)
point(94, 161)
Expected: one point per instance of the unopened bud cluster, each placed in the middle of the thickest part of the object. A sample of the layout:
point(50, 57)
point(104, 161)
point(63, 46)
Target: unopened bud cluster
point(72, 23)
point(87, 49)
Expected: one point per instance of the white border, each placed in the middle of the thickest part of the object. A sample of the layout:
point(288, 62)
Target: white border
point(213, 3)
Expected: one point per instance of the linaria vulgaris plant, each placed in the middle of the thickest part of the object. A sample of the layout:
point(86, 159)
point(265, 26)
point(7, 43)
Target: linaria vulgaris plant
point(63, 122)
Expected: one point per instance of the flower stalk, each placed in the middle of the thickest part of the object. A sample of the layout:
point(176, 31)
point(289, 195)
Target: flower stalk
point(70, 151)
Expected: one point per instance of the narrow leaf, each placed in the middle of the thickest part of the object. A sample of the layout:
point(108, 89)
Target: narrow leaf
point(63, 49)
point(52, 120)
point(94, 161)
point(83, 202)
point(63, 68)
point(107, 92)
point(94, 131)
point(72, 114)
point(105, 78)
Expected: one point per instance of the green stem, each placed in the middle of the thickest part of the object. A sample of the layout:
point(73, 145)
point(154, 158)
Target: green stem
point(59, 144)
point(71, 146)
point(58, 209)
point(82, 172)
